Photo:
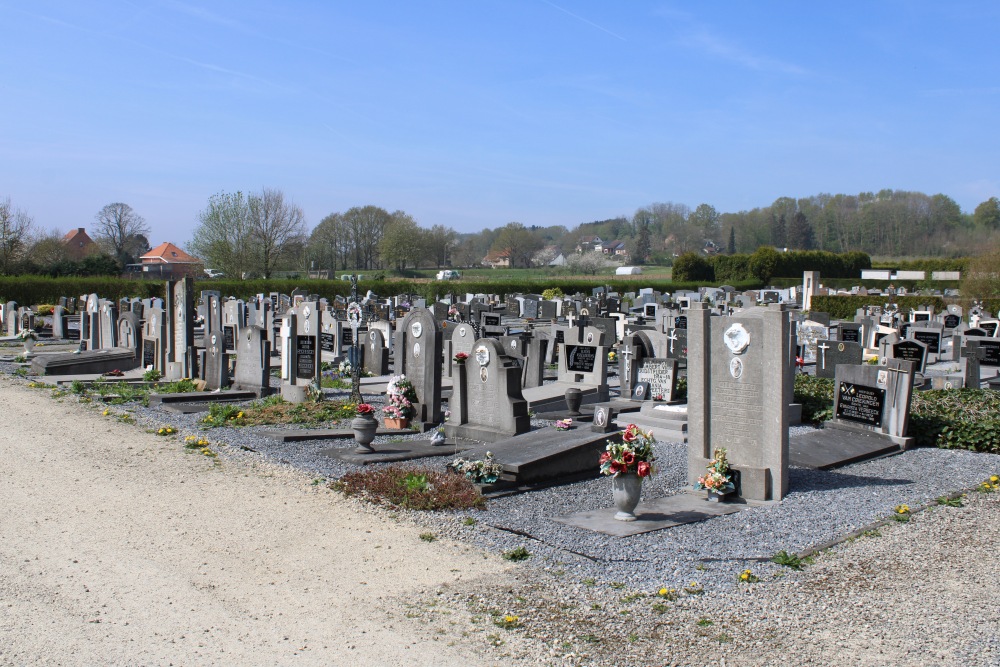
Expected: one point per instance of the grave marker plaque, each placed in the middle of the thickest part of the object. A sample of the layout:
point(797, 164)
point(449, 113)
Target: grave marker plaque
point(660, 375)
point(580, 358)
point(929, 337)
point(305, 356)
point(860, 404)
point(951, 321)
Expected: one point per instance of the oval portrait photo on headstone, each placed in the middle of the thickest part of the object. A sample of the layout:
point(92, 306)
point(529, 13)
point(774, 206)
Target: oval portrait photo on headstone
point(736, 368)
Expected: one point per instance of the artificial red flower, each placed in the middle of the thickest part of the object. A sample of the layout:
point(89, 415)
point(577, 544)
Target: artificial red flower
point(644, 469)
point(628, 458)
point(630, 433)
point(605, 457)
point(616, 467)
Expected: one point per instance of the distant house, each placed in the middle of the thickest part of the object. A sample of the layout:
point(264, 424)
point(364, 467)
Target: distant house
point(589, 244)
point(614, 248)
point(79, 244)
point(168, 261)
point(498, 259)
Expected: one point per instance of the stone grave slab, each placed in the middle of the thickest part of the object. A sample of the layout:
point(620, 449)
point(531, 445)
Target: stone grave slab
point(826, 448)
point(652, 515)
point(547, 454)
point(394, 451)
point(202, 397)
point(87, 362)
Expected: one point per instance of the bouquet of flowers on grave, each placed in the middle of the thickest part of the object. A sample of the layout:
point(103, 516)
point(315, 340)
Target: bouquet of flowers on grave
point(612, 356)
point(479, 471)
point(461, 357)
point(27, 333)
point(345, 368)
point(718, 478)
point(564, 424)
point(453, 313)
point(401, 395)
point(364, 409)
point(633, 454)
point(393, 412)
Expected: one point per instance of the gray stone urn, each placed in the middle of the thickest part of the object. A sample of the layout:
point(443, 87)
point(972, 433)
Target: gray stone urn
point(626, 488)
point(574, 398)
point(364, 427)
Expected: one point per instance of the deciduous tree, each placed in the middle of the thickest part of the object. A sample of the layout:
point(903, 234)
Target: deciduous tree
point(121, 232)
point(15, 235)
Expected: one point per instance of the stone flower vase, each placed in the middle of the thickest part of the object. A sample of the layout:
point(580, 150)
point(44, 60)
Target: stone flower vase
point(626, 488)
point(364, 427)
point(574, 398)
point(29, 345)
point(716, 497)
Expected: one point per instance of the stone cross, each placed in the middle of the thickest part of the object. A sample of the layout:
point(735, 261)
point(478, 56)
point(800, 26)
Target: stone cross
point(627, 356)
point(972, 354)
point(672, 337)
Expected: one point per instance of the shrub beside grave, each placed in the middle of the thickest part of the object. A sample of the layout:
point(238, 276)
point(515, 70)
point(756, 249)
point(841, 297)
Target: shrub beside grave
point(411, 488)
point(816, 396)
point(957, 419)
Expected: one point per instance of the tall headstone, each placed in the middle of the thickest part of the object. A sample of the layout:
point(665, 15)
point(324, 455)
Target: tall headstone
point(419, 350)
point(487, 404)
point(300, 354)
point(376, 356)
point(739, 389)
point(216, 361)
point(253, 361)
point(181, 360)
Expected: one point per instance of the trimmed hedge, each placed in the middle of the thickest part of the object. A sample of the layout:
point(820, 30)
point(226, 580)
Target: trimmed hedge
point(845, 307)
point(766, 263)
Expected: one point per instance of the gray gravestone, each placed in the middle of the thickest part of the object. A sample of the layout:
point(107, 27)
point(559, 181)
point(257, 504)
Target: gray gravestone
point(376, 356)
point(253, 361)
point(419, 350)
point(833, 353)
point(487, 404)
point(661, 376)
point(739, 389)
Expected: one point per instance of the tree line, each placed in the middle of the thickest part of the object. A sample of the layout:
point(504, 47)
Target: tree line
point(255, 234)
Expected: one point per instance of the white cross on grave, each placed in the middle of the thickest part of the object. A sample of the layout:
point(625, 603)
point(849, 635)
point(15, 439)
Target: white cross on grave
point(823, 348)
point(672, 337)
point(627, 356)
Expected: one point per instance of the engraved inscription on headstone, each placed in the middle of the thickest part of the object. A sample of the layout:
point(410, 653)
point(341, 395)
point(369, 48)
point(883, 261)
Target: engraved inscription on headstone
point(305, 348)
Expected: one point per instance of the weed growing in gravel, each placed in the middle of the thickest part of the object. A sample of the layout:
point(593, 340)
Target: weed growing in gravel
point(516, 554)
point(669, 594)
point(152, 375)
point(126, 419)
point(428, 537)
point(590, 639)
point(788, 560)
point(660, 608)
point(77, 387)
point(21, 372)
point(590, 581)
point(694, 588)
point(223, 415)
point(951, 502)
point(901, 513)
point(872, 533)
point(166, 430)
point(617, 585)
point(747, 577)
point(705, 622)
point(468, 521)
point(629, 599)
point(507, 622)
point(438, 490)
point(275, 410)
point(990, 485)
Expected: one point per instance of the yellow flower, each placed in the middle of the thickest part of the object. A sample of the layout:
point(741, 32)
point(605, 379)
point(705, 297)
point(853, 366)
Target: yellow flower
point(106, 413)
point(995, 479)
point(663, 591)
point(902, 509)
point(509, 618)
point(239, 416)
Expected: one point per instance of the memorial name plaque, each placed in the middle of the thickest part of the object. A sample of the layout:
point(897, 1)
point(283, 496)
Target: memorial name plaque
point(860, 404)
point(560, 336)
point(305, 356)
point(681, 322)
point(491, 320)
point(148, 353)
point(850, 335)
point(328, 343)
point(990, 328)
point(952, 321)
point(580, 358)
point(229, 337)
point(991, 350)
point(660, 376)
point(932, 339)
point(347, 337)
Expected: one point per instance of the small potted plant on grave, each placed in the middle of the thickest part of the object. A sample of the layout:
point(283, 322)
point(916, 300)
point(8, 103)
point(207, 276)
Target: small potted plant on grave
point(564, 424)
point(364, 427)
point(400, 395)
point(479, 471)
point(628, 462)
point(718, 481)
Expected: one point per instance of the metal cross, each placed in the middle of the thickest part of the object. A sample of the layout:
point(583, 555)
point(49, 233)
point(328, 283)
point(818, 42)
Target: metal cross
point(355, 348)
point(627, 366)
point(672, 337)
point(823, 348)
point(895, 383)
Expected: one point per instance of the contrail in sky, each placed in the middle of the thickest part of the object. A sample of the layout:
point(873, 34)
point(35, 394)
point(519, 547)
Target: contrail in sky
point(580, 18)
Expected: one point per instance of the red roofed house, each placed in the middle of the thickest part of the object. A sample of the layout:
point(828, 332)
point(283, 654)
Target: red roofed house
point(79, 244)
point(168, 261)
point(500, 258)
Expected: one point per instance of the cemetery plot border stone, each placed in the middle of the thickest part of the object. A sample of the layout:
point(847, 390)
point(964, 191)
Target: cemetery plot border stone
point(202, 397)
point(310, 434)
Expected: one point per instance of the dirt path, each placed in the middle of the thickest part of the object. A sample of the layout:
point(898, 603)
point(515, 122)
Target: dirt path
point(120, 547)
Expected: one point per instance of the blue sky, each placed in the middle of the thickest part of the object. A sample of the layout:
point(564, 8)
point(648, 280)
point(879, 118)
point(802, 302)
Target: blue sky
point(476, 113)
